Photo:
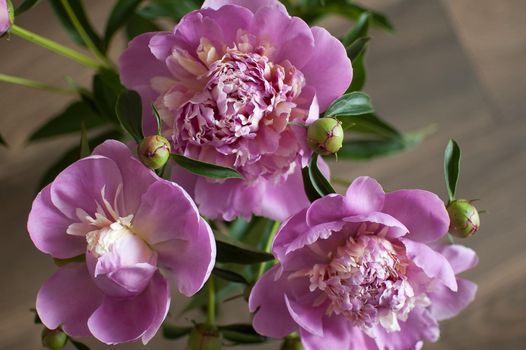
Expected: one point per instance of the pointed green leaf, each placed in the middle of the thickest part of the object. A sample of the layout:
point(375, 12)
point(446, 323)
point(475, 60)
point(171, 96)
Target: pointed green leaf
point(129, 113)
point(359, 72)
point(232, 251)
point(230, 276)
point(355, 103)
point(78, 345)
point(241, 333)
point(206, 169)
point(369, 124)
point(359, 30)
point(452, 156)
point(357, 48)
point(137, 25)
point(310, 190)
point(120, 14)
point(172, 332)
point(24, 6)
point(319, 181)
point(157, 117)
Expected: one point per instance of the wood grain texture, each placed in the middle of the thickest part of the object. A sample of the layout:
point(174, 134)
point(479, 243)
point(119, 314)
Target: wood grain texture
point(458, 64)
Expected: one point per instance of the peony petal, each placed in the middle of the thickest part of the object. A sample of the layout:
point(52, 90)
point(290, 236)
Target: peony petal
point(422, 212)
point(166, 212)
point(432, 263)
point(189, 261)
point(267, 300)
point(396, 228)
point(68, 298)
point(332, 207)
point(136, 177)
point(460, 258)
point(365, 195)
point(446, 304)
point(47, 228)
point(120, 320)
point(252, 5)
point(329, 69)
point(289, 231)
point(306, 316)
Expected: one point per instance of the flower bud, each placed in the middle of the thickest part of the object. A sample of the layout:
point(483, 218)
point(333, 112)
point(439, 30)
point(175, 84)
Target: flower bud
point(54, 339)
point(291, 343)
point(464, 217)
point(204, 337)
point(154, 151)
point(6, 16)
point(325, 136)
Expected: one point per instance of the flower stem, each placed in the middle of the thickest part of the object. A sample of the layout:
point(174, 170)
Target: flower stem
point(84, 35)
point(53, 46)
point(268, 246)
point(211, 319)
point(35, 84)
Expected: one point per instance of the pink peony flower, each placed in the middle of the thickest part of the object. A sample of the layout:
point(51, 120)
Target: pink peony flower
point(5, 21)
point(363, 271)
point(228, 82)
point(128, 223)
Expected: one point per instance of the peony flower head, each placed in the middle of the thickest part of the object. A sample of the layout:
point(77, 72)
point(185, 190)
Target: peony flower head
point(5, 18)
point(228, 82)
point(129, 223)
point(363, 271)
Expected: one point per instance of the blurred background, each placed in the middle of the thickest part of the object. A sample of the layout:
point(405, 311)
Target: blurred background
point(458, 64)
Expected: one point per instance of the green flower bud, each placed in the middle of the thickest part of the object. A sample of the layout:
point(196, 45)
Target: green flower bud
point(204, 337)
point(154, 151)
point(54, 339)
point(291, 343)
point(325, 136)
point(465, 220)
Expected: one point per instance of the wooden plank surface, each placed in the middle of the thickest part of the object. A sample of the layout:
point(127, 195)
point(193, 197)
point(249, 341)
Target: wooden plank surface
point(458, 64)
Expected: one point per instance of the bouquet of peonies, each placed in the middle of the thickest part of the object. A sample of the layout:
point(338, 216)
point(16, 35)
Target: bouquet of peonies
point(208, 175)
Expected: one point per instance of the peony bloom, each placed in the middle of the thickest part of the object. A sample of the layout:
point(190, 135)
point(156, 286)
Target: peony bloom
point(358, 272)
point(129, 223)
point(5, 21)
point(231, 83)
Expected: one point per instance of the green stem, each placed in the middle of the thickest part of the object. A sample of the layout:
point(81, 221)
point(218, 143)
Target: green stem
point(53, 46)
point(35, 84)
point(268, 246)
point(84, 35)
point(211, 320)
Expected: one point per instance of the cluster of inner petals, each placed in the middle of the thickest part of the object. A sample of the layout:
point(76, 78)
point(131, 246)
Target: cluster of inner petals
point(104, 228)
point(237, 100)
point(365, 281)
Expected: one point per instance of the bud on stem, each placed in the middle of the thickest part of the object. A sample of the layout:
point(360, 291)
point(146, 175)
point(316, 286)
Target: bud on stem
point(204, 337)
point(325, 136)
point(54, 339)
point(154, 151)
point(464, 218)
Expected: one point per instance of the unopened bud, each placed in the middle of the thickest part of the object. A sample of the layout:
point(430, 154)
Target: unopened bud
point(54, 339)
point(325, 136)
point(291, 343)
point(464, 217)
point(154, 151)
point(204, 337)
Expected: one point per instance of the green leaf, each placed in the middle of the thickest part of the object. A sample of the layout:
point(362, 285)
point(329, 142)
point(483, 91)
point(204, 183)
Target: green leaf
point(377, 19)
point(107, 87)
point(137, 25)
point(319, 181)
point(359, 72)
point(206, 169)
point(357, 48)
point(369, 124)
point(310, 190)
point(129, 113)
point(241, 333)
point(157, 117)
point(452, 167)
point(68, 121)
point(78, 345)
point(370, 149)
point(171, 331)
point(78, 8)
point(84, 143)
point(72, 155)
point(230, 276)
point(168, 8)
point(232, 251)
point(120, 14)
point(359, 30)
point(355, 103)
point(24, 6)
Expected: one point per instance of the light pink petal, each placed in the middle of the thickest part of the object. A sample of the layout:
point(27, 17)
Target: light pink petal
point(136, 177)
point(315, 233)
point(68, 298)
point(338, 334)
point(446, 304)
point(432, 263)
point(422, 212)
point(365, 195)
point(120, 320)
point(47, 228)
point(332, 207)
point(395, 228)
point(289, 231)
point(329, 69)
point(460, 258)
point(166, 212)
point(306, 316)
point(267, 300)
point(252, 5)
point(189, 262)
point(81, 184)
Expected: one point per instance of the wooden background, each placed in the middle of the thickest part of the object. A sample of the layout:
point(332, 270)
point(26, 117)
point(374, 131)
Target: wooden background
point(459, 64)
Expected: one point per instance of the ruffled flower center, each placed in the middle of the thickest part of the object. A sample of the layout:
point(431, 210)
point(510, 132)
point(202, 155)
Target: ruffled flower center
point(103, 229)
point(365, 281)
